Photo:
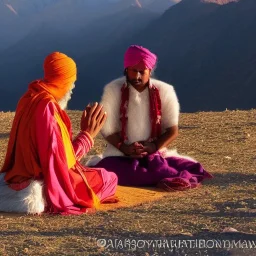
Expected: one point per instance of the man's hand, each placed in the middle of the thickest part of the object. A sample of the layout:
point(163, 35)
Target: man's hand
point(93, 119)
point(135, 150)
point(149, 147)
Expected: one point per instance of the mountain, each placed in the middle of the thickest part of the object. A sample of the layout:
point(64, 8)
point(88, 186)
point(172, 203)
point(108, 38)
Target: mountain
point(220, 2)
point(27, 7)
point(8, 19)
point(23, 62)
point(161, 5)
point(209, 55)
point(206, 50)
point(18, 18)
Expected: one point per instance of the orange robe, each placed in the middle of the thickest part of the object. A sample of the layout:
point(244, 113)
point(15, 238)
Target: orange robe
point(40, 147)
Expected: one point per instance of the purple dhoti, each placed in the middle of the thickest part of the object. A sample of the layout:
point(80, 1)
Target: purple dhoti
point(155, 170)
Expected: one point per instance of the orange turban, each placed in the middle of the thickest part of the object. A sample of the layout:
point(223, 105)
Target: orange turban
point(59, 74)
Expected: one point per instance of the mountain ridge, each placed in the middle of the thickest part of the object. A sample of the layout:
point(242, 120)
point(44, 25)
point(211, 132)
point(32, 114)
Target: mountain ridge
point(206, 50)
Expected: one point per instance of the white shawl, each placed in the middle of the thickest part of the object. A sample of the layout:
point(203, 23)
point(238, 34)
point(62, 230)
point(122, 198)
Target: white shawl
point(139, 126)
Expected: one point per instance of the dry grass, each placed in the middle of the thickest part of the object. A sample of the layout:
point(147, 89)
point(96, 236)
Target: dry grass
point(224, 142)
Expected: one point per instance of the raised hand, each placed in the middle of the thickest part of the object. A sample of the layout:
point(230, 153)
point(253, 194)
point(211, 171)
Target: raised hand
point(93, 119)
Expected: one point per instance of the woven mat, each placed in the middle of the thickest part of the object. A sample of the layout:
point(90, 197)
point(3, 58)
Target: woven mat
point(131, 196)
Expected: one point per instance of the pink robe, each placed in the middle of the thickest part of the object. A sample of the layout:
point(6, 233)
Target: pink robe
point(65, 189)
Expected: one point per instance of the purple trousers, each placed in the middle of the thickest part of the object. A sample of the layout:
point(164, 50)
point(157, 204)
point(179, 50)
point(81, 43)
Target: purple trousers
point(151, 170)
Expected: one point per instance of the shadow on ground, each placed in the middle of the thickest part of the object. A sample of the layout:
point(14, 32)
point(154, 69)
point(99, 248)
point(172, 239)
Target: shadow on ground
point(231, 178)
point(4, 135)
point(132, 243)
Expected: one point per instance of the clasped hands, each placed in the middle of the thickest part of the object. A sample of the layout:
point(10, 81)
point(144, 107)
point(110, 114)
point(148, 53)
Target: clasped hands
point(138, 149)
point(93, 119)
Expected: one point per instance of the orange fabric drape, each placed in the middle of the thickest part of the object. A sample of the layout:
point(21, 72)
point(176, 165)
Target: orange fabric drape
point(21, 162)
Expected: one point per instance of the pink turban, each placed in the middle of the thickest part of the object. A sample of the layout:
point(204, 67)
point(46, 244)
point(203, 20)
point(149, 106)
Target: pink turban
point(136, 54)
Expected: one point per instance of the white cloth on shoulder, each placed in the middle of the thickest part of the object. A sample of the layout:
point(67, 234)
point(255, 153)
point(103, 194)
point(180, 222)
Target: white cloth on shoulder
point(139, 125)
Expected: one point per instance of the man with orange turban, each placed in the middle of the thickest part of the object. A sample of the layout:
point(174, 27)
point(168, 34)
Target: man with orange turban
point(142, 122)
point(41, 171)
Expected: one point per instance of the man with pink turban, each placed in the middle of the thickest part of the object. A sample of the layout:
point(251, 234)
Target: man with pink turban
point(142, 121)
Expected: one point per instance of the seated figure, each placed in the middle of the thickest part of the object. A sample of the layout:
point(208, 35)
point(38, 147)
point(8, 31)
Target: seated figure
point(143, 115)
point(41, 171)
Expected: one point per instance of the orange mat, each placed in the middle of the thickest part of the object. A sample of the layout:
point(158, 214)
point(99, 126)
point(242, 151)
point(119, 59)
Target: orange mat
point(132, 196)
point(128, 197)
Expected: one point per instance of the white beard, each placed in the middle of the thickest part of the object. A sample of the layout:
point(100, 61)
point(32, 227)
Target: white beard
point(64, 101)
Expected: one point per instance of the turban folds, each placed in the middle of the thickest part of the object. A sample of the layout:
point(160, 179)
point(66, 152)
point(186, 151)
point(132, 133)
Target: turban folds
point(136, 54)
point(59, 74)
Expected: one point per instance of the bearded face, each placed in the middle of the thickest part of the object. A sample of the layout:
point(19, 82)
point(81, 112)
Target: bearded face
point(64, 101)
point(138, 76)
